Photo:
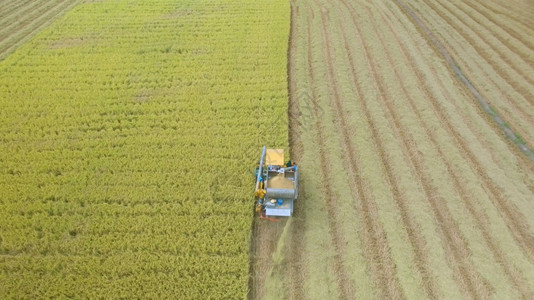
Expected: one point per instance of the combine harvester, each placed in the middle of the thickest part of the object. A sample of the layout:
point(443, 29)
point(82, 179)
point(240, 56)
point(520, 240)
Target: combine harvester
point(276, 184)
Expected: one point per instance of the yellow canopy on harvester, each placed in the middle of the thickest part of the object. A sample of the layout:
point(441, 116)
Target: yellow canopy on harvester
point(274, 157)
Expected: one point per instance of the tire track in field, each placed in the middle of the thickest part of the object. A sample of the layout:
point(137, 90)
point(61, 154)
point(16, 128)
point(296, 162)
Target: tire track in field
point(382, 267)
point(451, 128)
point(468, 122)
point(330, 200)
point(452, 232)
point(265, 236)
point(481, 219)
point(296, 268)
point(526, 92)
point(513, 218)
point(454, 243)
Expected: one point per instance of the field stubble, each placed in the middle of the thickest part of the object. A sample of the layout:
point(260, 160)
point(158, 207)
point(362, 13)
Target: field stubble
point(21, 20)
point(431, 199)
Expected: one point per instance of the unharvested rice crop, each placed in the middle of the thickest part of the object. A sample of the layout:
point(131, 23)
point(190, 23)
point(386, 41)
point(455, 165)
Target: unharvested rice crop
point(128, 135)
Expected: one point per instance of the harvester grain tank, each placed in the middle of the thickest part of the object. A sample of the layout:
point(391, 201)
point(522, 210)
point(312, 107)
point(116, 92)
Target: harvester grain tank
point(276, 184)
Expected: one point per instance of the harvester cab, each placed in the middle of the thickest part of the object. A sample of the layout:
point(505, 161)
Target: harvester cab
point(276, 184)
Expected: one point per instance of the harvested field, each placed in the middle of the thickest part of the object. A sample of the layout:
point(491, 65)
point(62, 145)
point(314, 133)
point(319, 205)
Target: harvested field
point(412, 187)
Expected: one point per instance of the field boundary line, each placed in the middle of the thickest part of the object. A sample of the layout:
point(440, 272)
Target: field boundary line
point(467, 120)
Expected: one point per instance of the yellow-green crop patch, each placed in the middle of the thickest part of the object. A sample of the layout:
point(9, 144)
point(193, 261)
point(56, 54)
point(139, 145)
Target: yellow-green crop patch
point(128, 132)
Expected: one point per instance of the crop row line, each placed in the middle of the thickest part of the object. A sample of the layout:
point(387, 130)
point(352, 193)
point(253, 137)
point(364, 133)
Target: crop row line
point(480, 217)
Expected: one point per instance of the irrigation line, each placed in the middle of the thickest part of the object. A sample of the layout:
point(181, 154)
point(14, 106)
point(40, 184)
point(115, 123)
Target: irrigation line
point(484, 104)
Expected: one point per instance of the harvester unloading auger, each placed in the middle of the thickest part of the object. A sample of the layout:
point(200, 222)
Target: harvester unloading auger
point(276, 184)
